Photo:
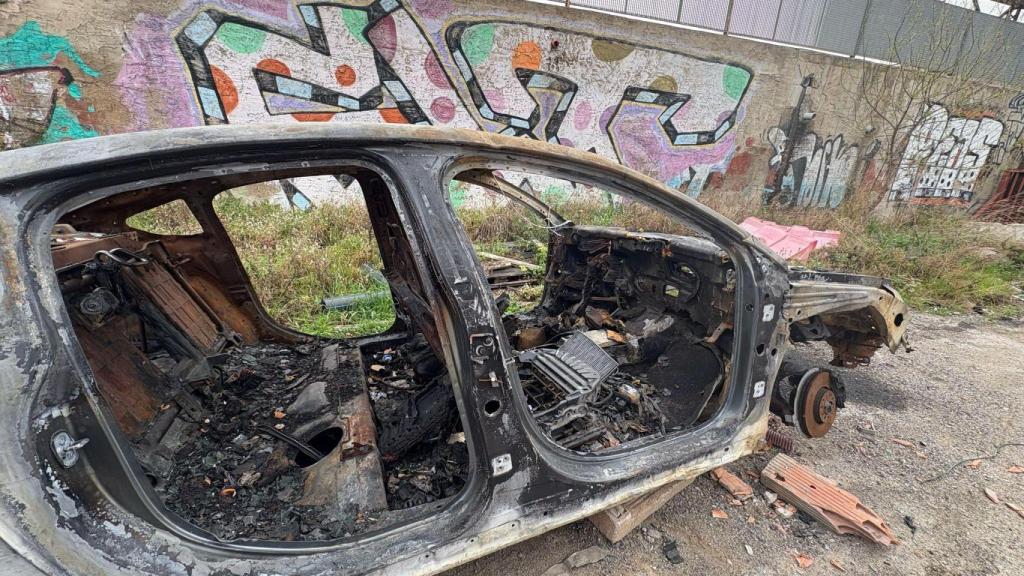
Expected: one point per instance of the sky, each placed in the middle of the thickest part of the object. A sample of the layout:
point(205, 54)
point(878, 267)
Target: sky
point(987, 6)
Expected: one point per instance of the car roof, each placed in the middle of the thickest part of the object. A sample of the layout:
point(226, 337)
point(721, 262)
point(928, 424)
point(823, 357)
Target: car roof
point(67, 156)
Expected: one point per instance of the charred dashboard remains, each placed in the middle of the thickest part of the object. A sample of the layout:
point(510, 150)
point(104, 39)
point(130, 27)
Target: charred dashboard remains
point(631, 339)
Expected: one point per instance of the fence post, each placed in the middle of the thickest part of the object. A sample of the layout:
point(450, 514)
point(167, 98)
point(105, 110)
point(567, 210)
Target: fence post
point(778, 14)
point(728, 19)
point(863, 26)
point(968, 29)
point(679, 12)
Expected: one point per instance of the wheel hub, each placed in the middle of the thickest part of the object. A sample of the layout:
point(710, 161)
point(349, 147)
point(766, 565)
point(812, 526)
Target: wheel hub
point(816, 403)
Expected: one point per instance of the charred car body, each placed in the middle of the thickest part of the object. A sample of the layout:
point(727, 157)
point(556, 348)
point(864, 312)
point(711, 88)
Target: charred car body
point(156, 419)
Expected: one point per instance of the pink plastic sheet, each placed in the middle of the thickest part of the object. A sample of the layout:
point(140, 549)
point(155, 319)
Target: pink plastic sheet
point(790, 242)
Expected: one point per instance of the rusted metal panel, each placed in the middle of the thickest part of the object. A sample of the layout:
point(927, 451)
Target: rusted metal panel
point(232, 315)
point(124, 376)
point(156, 282)
point(69, 250)
point(1007, 203)
point(350, 476)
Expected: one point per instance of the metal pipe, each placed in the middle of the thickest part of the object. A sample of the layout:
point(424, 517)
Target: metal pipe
point(863, 27)
point(350, 300)
point(728, 19)
point(778, 14)
point(292, 441)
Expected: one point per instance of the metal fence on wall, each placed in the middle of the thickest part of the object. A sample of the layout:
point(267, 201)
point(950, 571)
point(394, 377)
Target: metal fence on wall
point(922, 33)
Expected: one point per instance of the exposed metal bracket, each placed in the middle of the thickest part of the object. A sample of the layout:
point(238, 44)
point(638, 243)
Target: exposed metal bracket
point(66, 448)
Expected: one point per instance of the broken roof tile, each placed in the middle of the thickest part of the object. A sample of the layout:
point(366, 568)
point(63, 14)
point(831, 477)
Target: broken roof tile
point(824, 500)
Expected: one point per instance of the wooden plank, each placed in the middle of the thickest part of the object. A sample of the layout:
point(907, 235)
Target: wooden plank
point(618, 521)
point(512, 261)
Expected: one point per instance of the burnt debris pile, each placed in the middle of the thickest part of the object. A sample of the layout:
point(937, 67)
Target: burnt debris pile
point(631, 339)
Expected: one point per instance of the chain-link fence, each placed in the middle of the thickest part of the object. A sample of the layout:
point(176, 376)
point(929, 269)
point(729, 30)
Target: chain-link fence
point(922, 33)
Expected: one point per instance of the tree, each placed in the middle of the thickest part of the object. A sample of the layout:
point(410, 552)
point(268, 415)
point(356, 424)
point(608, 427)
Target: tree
point(939, 63)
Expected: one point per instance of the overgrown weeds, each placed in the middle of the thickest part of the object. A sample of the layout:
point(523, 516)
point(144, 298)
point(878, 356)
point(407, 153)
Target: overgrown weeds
point(935, 258)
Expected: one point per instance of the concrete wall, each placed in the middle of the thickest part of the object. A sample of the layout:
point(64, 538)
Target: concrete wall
point(698, 111)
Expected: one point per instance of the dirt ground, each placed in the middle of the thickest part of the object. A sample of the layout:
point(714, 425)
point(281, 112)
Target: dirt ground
point(957, 396)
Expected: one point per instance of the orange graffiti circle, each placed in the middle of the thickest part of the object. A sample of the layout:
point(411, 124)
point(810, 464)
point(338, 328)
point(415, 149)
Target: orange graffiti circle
point(393, 116)
point(526, 55)
point(225, 88)
point(313, 116)
point(274, 66)
point(345, 75)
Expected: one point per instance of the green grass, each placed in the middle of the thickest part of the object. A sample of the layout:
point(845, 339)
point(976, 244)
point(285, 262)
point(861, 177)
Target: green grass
point(936, 260)
point(363, 319)
point(171, 218)
point(296, 258)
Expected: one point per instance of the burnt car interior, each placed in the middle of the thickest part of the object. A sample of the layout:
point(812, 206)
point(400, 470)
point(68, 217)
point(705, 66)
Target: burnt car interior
point(245, 428)
point(632, 337)
point(249, 430)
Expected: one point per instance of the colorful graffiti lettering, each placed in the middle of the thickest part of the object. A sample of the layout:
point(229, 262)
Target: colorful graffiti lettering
point(37, 96)
point(345, 70)
point(820, 171)
point(667, 114)
point(943, 158)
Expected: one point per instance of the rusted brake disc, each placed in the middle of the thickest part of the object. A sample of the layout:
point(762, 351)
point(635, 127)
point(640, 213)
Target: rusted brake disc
point(816, 403)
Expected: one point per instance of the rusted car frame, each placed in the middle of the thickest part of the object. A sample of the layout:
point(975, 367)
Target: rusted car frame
point(101, 515)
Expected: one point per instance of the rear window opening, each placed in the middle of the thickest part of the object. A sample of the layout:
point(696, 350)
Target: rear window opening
point(316, 269)
point(622, 325)
point(274, 366)
point(171, 219)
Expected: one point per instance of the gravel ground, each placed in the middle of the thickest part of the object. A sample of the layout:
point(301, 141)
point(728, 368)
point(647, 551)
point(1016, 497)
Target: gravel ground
point(956, 396)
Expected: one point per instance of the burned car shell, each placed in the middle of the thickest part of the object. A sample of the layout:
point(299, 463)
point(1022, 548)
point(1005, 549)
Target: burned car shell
point(100, 516)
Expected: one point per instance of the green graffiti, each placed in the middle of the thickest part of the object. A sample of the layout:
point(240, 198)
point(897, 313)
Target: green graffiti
point(735, 80)
point(65, 126)
point(241, 39)
point(29, 47)
point(457, 194)
point(477, 42)
point(555, 195)
point(355, 21)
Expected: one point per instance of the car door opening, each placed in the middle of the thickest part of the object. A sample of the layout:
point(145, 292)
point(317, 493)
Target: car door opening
point(631, 336)
point(245, 428)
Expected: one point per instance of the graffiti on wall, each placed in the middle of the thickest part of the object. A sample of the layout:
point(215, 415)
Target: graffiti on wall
point(943, 158)
point(1014, 129)
point(820, 171)
point(40, 101)
point(667, 114)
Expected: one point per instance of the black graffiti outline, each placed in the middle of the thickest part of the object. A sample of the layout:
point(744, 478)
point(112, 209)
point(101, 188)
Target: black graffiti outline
point(453, 37)
point(201, 73)
point(992, 157)
point(663, 99)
